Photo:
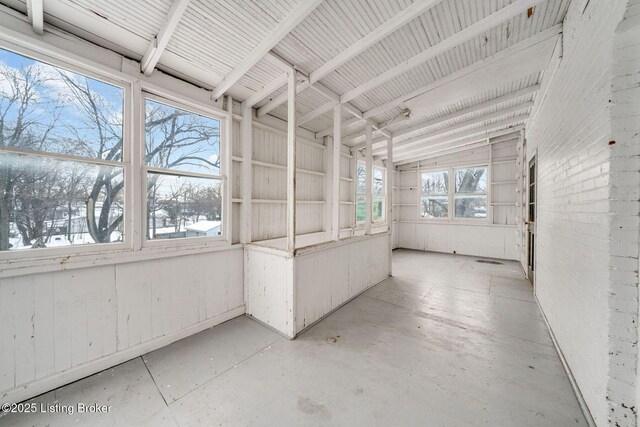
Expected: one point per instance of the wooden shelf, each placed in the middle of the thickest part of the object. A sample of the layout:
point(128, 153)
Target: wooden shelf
point(279, 201)
point(344, 178)
point(284, 167)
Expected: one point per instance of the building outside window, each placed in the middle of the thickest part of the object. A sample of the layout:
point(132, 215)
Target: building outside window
point(183, 181)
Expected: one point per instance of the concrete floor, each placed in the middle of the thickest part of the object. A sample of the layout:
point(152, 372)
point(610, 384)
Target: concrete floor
point(447, 341)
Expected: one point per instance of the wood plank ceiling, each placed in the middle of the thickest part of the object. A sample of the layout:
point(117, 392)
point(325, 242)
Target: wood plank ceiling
point(213, 37)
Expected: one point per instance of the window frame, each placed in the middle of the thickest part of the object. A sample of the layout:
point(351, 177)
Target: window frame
point(355, 203)
point(451, 218)
point(145, 170)
point(132, 247)
point(435, 170)
point(108, 78)
point(383, 219)
point(485, 193)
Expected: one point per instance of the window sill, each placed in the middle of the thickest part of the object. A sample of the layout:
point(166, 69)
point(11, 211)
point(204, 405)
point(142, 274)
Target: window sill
point(52, 263)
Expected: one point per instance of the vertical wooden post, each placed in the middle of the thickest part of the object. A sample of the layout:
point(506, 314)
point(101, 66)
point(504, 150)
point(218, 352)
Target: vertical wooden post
point(369, 185)
point(390, 176)
point(335, 193)
point(291, 162)
point(327, 221)
point(227, 164)
point(247, 172)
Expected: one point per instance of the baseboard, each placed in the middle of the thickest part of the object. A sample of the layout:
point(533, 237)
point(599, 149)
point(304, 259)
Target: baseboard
point(59, 379)
point(567, 369)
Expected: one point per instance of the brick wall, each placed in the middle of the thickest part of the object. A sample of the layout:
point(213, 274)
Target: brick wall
point(624, 176)
point(585, 194)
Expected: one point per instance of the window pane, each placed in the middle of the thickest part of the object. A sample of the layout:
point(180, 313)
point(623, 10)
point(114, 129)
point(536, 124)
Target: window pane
point(378, 210)
point(46, 108)
point(361, 186)
point(179, 206)
point(471, 180)
point(434, 207)
point(471, 207)
point(361, 212)
point(51, 203)
point(435, 183)
point(378, 182)
point(178, 139)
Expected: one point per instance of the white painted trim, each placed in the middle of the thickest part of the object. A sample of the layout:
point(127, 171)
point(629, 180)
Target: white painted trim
point(246, 133)
point(291, 161)
point(59, 379)
point(35, 11)
point(160, 41)
point(336, 160)
point(369, 184)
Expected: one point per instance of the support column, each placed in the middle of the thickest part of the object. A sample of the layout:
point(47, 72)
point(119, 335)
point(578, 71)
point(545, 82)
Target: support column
point(247, 173)
point(390, 176)
point(335, 194)
point(291, 162)
point(227, 163)
point(369, 186)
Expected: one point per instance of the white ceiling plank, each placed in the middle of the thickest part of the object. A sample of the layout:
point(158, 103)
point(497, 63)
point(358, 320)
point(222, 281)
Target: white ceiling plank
point(73, 18)
point(381, 142)
point(297, 15)
point(325, 108)
point(266, 90)
point(398, 21)
point(457, 146)
point(470, 32)
point(35, 11)
point(481, 65)
point(477, 132)
point(159, 43)
point(417, 140)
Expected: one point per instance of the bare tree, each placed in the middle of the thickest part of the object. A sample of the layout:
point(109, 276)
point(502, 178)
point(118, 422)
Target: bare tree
point(25, 122)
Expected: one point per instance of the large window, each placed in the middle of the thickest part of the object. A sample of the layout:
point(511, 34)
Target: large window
point(434, 200)
point(471, 193)
point(361, 192)
point(184, 186)
point(61, 157)
point(379, 189)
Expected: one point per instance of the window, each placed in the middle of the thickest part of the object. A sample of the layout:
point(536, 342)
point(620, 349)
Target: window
point(471, 193)
point(378, 206)
point(62, 178)
point(361, 192)
point(434, 201)
point(184, 186)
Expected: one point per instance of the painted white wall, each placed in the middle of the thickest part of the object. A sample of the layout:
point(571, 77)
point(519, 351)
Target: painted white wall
point(587, 221)
point(467, 237)
point(61, 326)
point(289, 293)
point(66, 317)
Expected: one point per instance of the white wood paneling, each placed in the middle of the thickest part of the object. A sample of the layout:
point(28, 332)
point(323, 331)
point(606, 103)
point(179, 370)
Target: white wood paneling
point(356, 265)
point(289, 293)
point(61, 326)
point(486, 240)
point(269, 285)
